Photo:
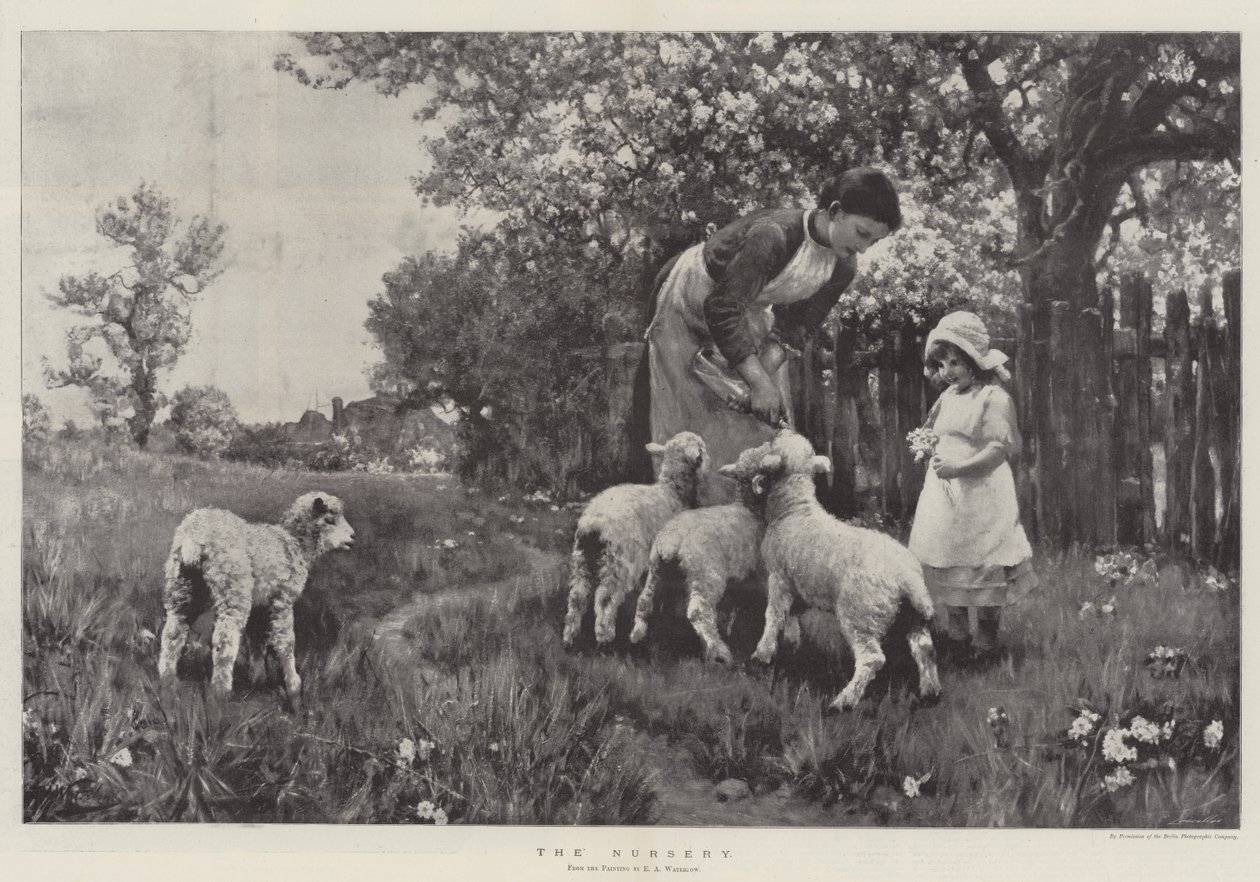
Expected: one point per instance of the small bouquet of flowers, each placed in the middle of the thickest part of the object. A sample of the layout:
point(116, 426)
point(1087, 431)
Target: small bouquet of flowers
point(922, 443)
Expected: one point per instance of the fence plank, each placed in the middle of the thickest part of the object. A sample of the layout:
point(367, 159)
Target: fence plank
point(850, 383)
point(1202, 474)
point(1229, 397)
point(889, 460)
point(909, 415)
point(1127, 432)
point(1179, 423)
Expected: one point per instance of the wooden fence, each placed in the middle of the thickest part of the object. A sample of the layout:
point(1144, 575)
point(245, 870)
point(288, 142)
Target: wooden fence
point(1175, 399)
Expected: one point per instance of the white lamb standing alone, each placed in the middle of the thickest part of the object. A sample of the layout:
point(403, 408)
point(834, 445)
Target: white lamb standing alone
point(712, 547)
point(863, 576)
point(245, 565)
point(615, 533)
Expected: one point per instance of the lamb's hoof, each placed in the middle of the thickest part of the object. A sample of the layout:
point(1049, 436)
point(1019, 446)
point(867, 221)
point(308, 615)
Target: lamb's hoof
point(930, 699)
point(638, 634)
point(719, 657)
point(838, 708)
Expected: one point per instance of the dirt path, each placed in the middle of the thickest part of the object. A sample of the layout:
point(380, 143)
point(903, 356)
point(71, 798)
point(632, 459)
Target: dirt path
point(684, 797)
point(537, 564)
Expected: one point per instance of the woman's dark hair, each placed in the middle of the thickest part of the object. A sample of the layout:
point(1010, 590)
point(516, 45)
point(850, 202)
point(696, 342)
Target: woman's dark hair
point(865, 191)
point(938, 350)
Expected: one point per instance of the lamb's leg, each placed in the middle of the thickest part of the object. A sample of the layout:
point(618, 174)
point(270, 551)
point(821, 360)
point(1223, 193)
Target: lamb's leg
point(647, 600)
point(778, 604)
point(282, 643)
point(174, 636)
point(229, 624)
point(924, 654)
point(617, 578)
point(868, 658)
point(579, 593)
point(175, 629)
point(705, 590)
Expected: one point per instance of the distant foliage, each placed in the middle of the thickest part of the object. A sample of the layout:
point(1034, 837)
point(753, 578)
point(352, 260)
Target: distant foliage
point(203, 421)
point(139, 314)
point(36, 424)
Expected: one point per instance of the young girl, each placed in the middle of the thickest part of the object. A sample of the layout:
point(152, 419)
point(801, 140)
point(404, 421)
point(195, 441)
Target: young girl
point(966, 530)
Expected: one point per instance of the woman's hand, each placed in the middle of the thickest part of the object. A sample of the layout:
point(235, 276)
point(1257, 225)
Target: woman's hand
point(944, 469)
point(764, 400)
point(767, 403)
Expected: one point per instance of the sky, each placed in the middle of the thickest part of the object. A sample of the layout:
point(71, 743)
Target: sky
point(312, 186)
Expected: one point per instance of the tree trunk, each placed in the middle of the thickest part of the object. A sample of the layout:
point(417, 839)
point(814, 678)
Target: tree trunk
point(1070, 402)
point(144, 385)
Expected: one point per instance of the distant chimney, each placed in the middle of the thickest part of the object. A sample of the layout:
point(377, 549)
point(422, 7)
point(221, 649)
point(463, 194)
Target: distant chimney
point(338, 417)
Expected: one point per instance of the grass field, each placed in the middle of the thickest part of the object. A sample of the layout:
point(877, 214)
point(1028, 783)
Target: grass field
point(1124, 713)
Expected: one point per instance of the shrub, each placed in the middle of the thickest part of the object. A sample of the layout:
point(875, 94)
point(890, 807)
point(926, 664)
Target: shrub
point(203, 420)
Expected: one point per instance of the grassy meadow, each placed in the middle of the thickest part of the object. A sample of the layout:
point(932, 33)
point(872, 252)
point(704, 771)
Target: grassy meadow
point(1116, 704)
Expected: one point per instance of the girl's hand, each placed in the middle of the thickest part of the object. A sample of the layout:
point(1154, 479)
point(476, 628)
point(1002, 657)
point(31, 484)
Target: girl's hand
point(767, 404)
point(944, 470)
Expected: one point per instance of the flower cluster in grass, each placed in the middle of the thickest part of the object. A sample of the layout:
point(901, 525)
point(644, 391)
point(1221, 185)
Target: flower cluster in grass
point(1166, 662)
point(1138, 746)
point(1125, 568)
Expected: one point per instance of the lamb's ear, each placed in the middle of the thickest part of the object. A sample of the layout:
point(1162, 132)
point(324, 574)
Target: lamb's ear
point(654, 448)
point(758, 484)
point(770, 463)
point(729, 470)
point(821, 465)
point(319, 506)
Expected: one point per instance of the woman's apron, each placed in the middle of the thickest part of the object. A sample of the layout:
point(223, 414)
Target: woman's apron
point(679, 400)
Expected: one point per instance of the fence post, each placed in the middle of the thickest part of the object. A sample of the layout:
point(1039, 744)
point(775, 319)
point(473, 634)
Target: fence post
point(1179, 424)
point(622, 363)
point(1135, 498)
point(909, 414)
point(1101, 430)
point(1228, 395)
point(843, 440)
point(1202, 475)
point(889, 459)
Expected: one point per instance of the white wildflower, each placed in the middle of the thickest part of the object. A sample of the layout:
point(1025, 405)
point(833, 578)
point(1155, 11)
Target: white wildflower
point(1114, 748)
point(1212, 734)
point(439, 817)
point(1086, 610)
point(910, 786)
point(1121, 777)
point(1083, 726)
point(1144, 730)
point(1108, 608)
point(122, 759)
point(407, 750)
point(425, 810)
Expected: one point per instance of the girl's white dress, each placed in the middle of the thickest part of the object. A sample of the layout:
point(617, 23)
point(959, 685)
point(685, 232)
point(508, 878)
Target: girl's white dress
point(966, 530)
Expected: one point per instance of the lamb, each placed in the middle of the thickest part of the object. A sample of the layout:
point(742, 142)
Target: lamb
point(244, 565)
point(615, 533)
point(712, 547)
point(863, 576)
